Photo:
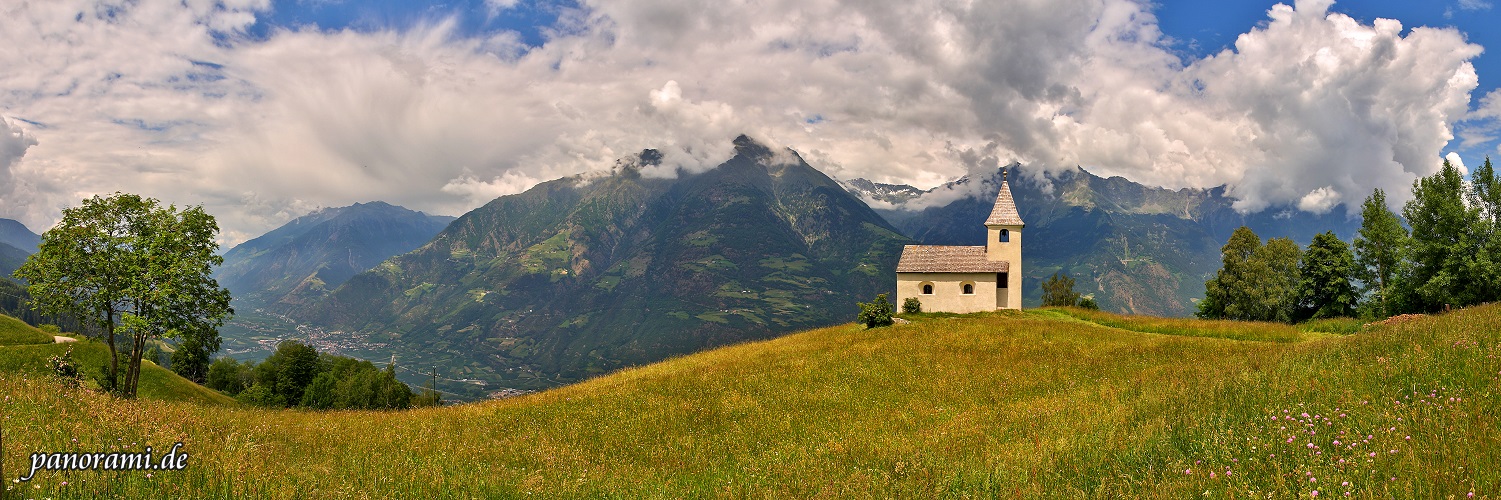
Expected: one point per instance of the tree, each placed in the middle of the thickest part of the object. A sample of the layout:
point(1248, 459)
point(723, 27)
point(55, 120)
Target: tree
point(1448, 263)
point(1325, 289)
point(228, 376)
point(191, 359)
point(1059, 291)
point(1256, 282)
point(1378, 251)
point(126, 261)
point(81, 268)
point(876, 313)
point(1226, 288)
point(293, 367)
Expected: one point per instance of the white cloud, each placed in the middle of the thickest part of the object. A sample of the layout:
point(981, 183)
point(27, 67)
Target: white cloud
point(1457, 162)
point(1320, 200)
point(170, 99)
point(1474, 4)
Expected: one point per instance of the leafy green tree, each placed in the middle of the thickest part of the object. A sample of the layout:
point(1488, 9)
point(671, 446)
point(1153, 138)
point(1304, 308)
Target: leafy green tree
point(262, 396)
point(1448, 263)
point(1058, 290)
point(876, 313)
point(319, 394)
point(81, 268)
point(1224, 293)
point(1256, 282)
point(1378, 252)
point(126, 261)
point(1325, 289)
point(1275, 276)
point(1485, 197)
point(294, 367)
point(227, 375)
point(1089, 303)
point(191, 359)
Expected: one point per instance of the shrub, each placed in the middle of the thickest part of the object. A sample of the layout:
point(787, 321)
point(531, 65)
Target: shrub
point(911, 305)
point(1089, 303)
point(876, 313)
point(64, 367)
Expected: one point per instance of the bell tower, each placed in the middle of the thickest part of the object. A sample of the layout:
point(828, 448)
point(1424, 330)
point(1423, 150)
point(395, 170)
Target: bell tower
point(1003, 242)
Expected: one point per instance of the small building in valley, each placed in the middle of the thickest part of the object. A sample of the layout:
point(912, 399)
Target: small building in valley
point(966, 279)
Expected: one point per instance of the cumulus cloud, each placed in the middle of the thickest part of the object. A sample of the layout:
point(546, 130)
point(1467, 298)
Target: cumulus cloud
point(174, 100)
point(13, 145)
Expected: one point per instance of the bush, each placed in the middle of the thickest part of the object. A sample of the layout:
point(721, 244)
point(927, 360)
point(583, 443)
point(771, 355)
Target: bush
point(64, 367)
point(911, 305)
point(1089, 303)
point(876, 313)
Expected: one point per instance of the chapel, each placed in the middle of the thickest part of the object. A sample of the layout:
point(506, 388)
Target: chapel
point(966, 279)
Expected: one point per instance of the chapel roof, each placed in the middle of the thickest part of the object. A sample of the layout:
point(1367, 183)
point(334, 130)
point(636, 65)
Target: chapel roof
point(1004, 213)
point(948, 259)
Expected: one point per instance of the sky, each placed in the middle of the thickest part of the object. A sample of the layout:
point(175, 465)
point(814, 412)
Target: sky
point(262, 111)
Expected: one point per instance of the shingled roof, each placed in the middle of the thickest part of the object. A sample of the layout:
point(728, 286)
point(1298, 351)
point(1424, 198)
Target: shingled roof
point(1004, 213)
point(948, 259)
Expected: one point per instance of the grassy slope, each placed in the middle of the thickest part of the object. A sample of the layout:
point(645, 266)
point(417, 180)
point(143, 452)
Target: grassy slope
point(30, 361)
point(16, 332)
point(1037, 403)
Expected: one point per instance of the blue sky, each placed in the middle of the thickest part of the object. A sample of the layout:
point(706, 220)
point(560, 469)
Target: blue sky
point(1203, 28)
point(264, 110)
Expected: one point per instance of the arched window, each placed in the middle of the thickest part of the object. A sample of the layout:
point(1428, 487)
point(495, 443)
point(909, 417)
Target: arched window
point(969, 288)
point(927, 289)
point(1005, 236)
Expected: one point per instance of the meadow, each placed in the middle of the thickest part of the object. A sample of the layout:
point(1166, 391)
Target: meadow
point(1051, 402)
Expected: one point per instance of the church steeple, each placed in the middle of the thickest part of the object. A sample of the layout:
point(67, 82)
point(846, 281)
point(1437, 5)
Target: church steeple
point(1004, 213)
point(1003, 243)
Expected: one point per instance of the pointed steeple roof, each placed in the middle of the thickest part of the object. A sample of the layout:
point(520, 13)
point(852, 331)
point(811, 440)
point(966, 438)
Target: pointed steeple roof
point(1004, 213)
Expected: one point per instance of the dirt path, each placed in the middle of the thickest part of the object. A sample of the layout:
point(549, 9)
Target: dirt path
point(59, 339)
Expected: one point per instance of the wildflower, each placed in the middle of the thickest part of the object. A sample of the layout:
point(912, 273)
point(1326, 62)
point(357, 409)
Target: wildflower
point(1315, 493)
point(1313, 480)
point(1346, 483)
point(1310, 446)
point(1188, 471)
point(1373, 454)
point(1409, 438)
point(1211, 475)
point(1227, 473)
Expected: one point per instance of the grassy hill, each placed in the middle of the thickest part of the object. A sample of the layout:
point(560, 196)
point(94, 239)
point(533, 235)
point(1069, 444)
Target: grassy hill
point(24, 352)
point(1044, 402)
point(16, 332)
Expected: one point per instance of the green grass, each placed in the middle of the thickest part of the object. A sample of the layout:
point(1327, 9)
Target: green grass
point(1041, 403)
point(1225, 329)
point(1342, 326)
point(15, 332)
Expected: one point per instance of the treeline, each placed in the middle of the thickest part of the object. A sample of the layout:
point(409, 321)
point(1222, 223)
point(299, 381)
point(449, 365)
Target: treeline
point(297, 375)
point(1452, 259)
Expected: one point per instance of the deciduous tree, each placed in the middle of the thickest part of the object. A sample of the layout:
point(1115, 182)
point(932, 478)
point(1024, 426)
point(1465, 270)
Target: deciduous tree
point(1325, 289)
point(1378, 252)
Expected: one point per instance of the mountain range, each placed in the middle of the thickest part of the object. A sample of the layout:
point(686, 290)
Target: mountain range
point(588, 274)
point(1137, 249)
point(16, 243)
point(314, 254)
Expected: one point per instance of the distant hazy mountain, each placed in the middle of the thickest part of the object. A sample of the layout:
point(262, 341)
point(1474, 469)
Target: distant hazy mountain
point(1138, 249)
point(588, 274)
point(15, 234)
point(11, 259)
point(315, 253)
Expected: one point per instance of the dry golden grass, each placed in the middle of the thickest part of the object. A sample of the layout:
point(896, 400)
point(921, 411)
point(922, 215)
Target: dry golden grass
point(1041, 403)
